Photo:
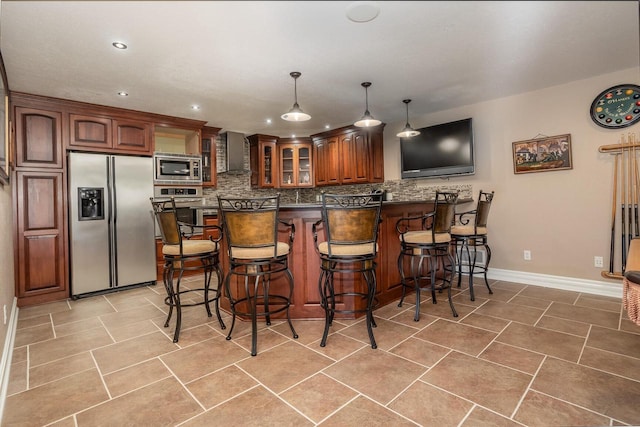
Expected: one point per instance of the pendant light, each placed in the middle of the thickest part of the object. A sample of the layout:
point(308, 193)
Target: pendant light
point(367, 120)
point(295, 114)
point(408, 131)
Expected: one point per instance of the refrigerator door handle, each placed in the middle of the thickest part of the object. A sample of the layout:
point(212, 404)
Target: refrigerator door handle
point(111, 221)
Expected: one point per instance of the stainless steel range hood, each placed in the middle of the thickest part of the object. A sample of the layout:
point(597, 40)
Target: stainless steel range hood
point(234, 144)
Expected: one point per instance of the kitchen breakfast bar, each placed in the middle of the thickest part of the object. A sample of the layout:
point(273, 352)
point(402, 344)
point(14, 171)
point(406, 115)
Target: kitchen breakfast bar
point(304, 262)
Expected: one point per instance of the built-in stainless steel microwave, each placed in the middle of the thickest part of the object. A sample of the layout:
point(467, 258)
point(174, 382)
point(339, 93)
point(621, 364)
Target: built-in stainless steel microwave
point(171, 168)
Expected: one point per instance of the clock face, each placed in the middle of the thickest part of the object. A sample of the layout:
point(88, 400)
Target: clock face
point(617, 107)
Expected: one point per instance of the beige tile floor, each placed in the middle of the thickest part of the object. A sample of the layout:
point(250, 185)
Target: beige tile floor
point(524, 356)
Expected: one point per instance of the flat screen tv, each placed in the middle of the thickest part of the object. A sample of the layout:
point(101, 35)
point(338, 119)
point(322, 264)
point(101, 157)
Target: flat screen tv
point(439, 151)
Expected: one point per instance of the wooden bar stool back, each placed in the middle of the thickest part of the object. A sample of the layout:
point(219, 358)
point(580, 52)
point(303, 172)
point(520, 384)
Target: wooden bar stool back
point(259, 282)
point(469, 234)
point(182, 254)
point(425, 251)
point(350, 223)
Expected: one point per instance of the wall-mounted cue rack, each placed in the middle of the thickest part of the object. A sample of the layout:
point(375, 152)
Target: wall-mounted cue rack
point(626, 185)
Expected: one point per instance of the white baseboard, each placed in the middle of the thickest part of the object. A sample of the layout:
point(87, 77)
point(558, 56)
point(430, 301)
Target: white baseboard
point(7, 353)
point(609, 289)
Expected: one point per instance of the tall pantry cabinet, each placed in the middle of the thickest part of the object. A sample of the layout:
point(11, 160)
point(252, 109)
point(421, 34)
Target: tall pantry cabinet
point(39, 203)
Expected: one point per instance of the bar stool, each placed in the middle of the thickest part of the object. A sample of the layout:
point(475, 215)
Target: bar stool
point(182, 254)
point(257, 260)
point(350, 224)
point(466, 235)
point(426, 239)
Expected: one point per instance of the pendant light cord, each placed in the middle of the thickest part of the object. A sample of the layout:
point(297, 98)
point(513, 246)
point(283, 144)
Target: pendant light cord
point(366, 97)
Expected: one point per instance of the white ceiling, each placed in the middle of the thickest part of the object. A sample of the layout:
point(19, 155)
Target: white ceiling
point(234, 58)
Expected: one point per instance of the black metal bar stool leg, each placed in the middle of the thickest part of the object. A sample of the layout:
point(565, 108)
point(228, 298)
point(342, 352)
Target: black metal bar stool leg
point(486, 267)
point(371, 292)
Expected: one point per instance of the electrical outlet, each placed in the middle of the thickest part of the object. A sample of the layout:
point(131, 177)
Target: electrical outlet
point(527, 255)
point(598, 261)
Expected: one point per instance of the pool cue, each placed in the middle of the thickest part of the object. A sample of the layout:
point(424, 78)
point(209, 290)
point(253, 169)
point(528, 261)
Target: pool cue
point(623, 199)
point(631, 191)
point(636, 183)
point(614, 204)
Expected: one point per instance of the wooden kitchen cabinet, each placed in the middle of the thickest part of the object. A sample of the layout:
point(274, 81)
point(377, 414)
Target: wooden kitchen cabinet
point(132, 135)
point(326, 153)
point(349, 155)
point(41, 255)
point(295, 163)
point(104, 134)
point(38, 138)
point(263, 160)
point(90, 132)
point(355, 154)
point(376, 164)
point(208, 153)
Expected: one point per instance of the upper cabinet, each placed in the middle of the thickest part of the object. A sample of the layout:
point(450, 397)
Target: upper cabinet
point(131, 135)
point(327, 160)
point(208, 153)
point(89, 131)
point(38, 138)
point(295, 155)
point(280, 162)
point(355, 156)
point(349, 155)
point(104, 134)
point(263, 160)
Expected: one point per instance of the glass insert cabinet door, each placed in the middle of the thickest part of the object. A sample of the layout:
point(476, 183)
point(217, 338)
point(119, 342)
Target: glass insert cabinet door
point(304, 165)
point(287, 170)
point(295, 165)
point(268, 159)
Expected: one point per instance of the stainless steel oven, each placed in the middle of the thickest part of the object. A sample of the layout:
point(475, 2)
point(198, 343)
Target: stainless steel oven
point(187, 200)
point(170, 168)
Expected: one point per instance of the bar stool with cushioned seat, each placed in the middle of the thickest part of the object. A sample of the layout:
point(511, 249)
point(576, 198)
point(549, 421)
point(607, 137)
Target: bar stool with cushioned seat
point(466, 235)
point(350, 224)
point(181, 254)
point(426, 239)
point(257, 260)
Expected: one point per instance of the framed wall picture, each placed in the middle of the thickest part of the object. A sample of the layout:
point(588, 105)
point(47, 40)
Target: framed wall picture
point(544, 154)
point(4, 125)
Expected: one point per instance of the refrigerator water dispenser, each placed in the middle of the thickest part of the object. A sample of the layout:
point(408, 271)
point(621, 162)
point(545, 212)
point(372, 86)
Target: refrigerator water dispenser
point(90, 203)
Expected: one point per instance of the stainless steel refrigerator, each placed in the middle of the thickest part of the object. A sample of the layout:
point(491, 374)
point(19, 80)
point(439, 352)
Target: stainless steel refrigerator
point(112, 239)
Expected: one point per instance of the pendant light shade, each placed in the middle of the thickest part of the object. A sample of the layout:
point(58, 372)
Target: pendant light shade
point(295, 114)
point(408, 131)
point(367, 120)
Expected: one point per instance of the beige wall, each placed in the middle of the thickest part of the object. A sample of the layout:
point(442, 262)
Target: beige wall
point(6, 259)
point(562, 217)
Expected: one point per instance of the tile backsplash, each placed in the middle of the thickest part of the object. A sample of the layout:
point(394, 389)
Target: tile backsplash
point(238, 184)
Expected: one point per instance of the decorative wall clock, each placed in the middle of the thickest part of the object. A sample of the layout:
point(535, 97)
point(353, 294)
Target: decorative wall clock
point(617, 107)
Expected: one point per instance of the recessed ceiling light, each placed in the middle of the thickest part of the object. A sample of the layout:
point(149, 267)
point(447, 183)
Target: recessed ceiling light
point(362, 11)
point(195, 107)
point(268, 121)
point(327, 126)
point(123, 93)
point(293, 136)
point(119, 45)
